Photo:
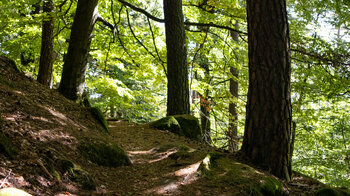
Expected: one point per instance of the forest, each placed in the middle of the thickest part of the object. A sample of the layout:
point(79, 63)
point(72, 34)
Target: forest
point(267, 79)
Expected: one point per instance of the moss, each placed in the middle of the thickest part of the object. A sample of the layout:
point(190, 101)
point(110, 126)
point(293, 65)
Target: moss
point(209, 163)
point(97, 113)
point(221, 169)
point(190, 126)
point(184, 125)
point(271, 186)
point(50, 166)
point(332, 192)
point(13, 192)
point(76, 174)
point(6, 146)
point(110, 155)
point(167, 123)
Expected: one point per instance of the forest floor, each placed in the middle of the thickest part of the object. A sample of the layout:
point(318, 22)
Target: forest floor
point(42, 125)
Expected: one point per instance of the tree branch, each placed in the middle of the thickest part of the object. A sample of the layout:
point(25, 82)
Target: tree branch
point(186, 23)
point(155, 46)
point(105, 22)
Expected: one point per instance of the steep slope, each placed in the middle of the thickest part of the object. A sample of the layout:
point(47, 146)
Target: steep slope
point(52, 146)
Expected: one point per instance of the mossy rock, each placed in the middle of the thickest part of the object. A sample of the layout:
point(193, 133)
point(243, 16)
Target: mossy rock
point(190, 126)
point(13, 192)
point(6, 146)
point(110, 155)
point(76, 174)
point(184, 125)
point(98, 115)
point(221, 169)
point(167, 123)
point(332, 192)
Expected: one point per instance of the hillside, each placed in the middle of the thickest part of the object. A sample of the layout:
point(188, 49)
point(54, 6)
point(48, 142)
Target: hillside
point(42, 135)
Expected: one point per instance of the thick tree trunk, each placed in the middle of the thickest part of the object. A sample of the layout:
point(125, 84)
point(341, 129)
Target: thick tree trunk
point(178, 89)
point(233, 128)
point(47, 45)
point(74, 68)
point(267, 137)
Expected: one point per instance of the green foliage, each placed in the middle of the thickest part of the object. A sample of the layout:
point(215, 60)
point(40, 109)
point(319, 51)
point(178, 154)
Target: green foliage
point(128, 81)
point(110, 155)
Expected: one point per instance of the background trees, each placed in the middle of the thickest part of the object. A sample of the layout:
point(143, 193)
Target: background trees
point(126, 69)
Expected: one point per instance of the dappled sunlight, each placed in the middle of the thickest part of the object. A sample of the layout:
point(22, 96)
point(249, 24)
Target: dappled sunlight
point(55, 136)
point(163, 155)
point(164, 189)
point(185, 176)
point(12, 117)
point(189, 170)
point(18, 92)
point(151, 151)
point(61, 118)
point(54, 113)
point(41, 119)
point(155, 157)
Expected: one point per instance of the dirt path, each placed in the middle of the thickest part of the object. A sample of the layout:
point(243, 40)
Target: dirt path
point(156, 167)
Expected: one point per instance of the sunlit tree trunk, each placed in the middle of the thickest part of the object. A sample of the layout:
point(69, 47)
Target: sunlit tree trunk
point(267, 136)
point(178, 88)
point(205, 102)
point(47, 45)
point(74, 68)
point(233, 127)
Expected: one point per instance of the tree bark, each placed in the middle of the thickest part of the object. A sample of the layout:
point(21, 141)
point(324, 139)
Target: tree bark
point(267, 136)
point(233, 126)
point(178, 88)
point(205, 102)
point(47, 45)
point(74, 68)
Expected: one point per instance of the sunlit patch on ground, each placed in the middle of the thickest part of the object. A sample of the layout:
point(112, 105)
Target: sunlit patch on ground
point(56, 136)
point(185, 176)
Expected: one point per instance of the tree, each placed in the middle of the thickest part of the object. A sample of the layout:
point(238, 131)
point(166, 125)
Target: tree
point(74, 68)
point(267, 136)
point(233, 129)
point(178, 89)
point(47, 45)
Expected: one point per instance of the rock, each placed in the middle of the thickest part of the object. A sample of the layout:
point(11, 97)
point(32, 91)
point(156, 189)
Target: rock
point(190, 126)
point(332, 192)
point(167, 123)
point(184, 125)
point(110, 155)
point(221, 169)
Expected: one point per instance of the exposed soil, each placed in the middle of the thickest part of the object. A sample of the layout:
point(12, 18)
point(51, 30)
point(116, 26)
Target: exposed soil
point(43, 125)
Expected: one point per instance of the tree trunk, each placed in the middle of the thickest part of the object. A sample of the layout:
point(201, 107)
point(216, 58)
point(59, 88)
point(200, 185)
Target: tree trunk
point(74, 68)
point(178, 89)
point(205, 102)
point(47, 45)
point(233, 128)
point(267, 136)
